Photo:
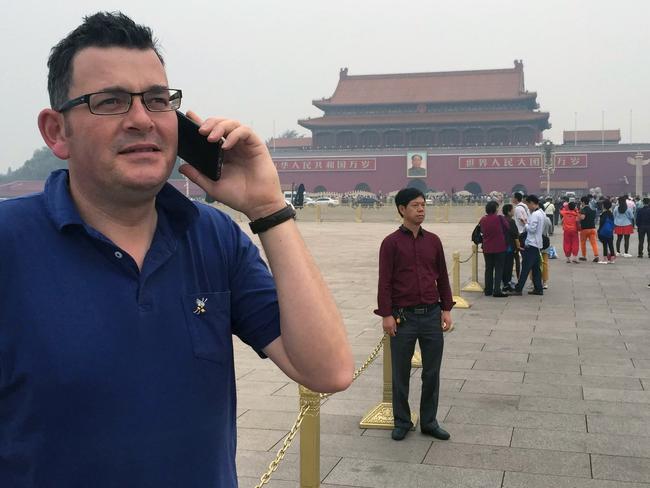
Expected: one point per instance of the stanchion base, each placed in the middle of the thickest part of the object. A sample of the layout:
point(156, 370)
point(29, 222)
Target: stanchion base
point(460, 302)
point(416, 360)
point(381, 417)
point(472, 286)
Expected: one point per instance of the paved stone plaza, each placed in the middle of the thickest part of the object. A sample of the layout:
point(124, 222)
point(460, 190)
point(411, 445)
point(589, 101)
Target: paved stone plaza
point(549, 391)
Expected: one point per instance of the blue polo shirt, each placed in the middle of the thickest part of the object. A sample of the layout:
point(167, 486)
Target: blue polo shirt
point(115, 377)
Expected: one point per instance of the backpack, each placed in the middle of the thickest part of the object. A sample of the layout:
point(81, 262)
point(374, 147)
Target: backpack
point(606, 231)
point(477, 236)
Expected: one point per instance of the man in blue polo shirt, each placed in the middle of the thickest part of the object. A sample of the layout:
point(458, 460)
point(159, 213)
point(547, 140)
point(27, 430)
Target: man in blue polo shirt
point(119, 297)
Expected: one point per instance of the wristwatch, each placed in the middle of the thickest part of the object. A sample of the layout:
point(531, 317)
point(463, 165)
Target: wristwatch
point(265, 223)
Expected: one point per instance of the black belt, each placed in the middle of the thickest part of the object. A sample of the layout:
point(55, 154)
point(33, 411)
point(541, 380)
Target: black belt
point(419, 309)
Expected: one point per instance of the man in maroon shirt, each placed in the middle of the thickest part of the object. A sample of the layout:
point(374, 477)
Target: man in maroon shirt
point(414, 300)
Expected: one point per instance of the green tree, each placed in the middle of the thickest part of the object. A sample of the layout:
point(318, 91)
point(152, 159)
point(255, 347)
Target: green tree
point(38, 167)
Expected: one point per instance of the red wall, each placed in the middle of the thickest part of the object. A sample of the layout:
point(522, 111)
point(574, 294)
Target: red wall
point(604, 169)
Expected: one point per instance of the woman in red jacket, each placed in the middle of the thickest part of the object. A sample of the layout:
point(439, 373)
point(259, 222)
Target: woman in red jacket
point(571, 226)
point(494, 229)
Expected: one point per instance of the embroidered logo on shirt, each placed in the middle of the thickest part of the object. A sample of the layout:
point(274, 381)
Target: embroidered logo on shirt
point(200, 306)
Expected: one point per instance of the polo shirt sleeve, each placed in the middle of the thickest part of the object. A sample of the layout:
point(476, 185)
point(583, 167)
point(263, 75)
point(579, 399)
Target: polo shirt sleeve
point(255, 312)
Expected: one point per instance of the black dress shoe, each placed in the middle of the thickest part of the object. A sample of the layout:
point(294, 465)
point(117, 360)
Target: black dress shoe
point(399, 433)
point(516, 292)
point(535, 292)
point(507, 288)
point(436, 432)
point(500, 295)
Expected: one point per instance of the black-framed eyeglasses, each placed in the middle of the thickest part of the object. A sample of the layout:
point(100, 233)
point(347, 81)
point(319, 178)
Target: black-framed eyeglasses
point(116, 102)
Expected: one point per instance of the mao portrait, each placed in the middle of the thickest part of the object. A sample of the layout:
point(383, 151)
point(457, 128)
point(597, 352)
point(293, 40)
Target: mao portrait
point(416, 164)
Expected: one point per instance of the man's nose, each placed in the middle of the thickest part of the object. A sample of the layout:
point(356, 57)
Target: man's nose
point(138, 116)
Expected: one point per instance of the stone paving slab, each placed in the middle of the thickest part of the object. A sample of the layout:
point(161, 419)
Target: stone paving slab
point(536, 391)
point(510, 459)
point(621, 468)
point(373, 474)
point(607, 424)
point(525, 480)
point(616, 445)
point(613, 382)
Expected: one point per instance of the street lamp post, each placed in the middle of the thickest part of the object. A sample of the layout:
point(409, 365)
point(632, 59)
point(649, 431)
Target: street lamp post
point(548, 163)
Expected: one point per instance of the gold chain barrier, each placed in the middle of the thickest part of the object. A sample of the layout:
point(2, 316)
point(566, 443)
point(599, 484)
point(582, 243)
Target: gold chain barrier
point(473, 284)
point(455, 282)
point(308, 421)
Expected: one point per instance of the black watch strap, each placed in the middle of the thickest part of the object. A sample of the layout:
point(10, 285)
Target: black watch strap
point(265, 223)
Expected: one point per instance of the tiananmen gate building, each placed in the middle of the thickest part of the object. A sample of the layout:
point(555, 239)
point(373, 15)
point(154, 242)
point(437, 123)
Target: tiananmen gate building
point(474, 130)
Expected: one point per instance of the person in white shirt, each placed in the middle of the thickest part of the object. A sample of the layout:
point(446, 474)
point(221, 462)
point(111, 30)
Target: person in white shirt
point(521, 211)
point(549, 210)
point(531, 257)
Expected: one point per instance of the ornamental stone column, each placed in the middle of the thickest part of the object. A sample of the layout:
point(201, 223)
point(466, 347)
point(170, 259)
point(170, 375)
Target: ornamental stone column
point(638, 162)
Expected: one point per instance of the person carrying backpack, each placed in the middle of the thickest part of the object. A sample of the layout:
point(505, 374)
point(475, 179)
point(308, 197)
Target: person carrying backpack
point(606, 233)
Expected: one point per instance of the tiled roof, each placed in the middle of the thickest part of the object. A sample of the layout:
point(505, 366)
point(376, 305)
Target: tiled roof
point(19, 188)
point(448, 86)
point(592, 135)
point(289, 142)
point(425, 118)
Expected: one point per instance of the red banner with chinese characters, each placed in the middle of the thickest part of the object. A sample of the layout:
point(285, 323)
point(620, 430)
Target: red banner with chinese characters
point(571, 161)
point(368, 164)
point(520, 161)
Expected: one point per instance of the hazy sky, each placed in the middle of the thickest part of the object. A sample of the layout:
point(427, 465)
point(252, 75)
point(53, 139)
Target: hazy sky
point(263, 62)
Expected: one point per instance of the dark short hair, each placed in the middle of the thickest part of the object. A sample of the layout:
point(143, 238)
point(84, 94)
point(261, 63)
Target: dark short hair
point(416, 156)
point(491, 207)
point(607, 204)
point(532, 199)
point(518, 196)
point(646, 201)
point(585, 199)
point(507, 207)
point(405, 196)
point(103, 29)
point(572, 205)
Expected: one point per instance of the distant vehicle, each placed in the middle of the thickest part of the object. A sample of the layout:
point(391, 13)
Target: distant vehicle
point(367, 202)
point(428, 201)
point(308, 201)
point(330, 202)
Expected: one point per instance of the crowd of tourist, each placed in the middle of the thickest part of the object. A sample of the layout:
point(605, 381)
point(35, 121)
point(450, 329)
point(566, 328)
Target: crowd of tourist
point(516, 240)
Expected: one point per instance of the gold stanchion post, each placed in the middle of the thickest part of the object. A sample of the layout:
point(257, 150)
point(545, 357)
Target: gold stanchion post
point(310, 439)
point(357, 214)
point(318, 214)
point(455, 283)
point(381, 416)
point(447, 209)
point(473, 284)
point(416, 360)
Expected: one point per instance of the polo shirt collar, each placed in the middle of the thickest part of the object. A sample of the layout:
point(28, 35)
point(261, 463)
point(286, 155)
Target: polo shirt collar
point(179, 211)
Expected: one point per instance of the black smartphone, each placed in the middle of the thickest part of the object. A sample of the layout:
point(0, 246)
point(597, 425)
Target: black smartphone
point(195, 149)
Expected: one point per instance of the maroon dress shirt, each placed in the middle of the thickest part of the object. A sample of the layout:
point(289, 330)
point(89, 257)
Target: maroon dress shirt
point(412, 271)
point(494, 228)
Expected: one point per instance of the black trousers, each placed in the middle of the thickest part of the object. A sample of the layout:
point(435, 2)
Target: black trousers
point(508, 262)
point(619, 238)
point(608, 246)
point(531, 261)
point(494, 263)
point(644, 231)
point(427, 330)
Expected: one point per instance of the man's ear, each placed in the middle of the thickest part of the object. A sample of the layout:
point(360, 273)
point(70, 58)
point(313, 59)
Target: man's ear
point(51, 125)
